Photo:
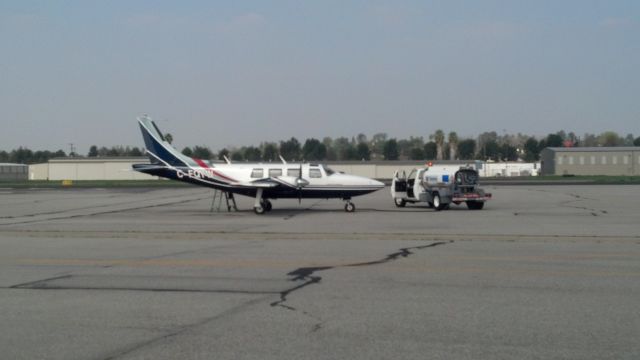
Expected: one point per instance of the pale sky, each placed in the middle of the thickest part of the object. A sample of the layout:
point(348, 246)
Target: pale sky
point(222, 73)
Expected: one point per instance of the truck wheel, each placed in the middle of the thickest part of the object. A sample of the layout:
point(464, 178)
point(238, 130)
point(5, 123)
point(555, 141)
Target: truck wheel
point(399, 202)
point(475, 205)
point(437, 202)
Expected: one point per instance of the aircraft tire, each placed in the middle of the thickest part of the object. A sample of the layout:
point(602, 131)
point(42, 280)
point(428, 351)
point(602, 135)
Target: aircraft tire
point(399, 202)
point(259, 210)
point(349, 207)
point(266, 204)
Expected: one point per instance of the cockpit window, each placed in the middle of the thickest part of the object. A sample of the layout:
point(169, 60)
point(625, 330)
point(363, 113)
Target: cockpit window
point(328, 170)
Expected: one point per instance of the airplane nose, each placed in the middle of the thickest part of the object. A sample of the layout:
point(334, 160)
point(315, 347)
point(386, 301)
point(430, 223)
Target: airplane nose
point(376, 183)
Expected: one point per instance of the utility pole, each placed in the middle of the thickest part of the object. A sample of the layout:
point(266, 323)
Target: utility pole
point(72, 150)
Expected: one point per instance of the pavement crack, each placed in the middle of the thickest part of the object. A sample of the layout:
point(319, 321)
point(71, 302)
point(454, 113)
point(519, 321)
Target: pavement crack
point(576, 198)
point(316, 328)
point(181, 330)
point(65, 217)
point(403, 252)
point(307, 274)
point(308, 280)
point(38, 283)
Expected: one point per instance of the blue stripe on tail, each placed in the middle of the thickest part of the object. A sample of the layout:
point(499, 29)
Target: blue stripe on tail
point(163, 151)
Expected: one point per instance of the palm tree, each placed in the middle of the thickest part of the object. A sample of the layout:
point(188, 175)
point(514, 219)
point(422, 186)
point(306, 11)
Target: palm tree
point(438, 138)
point(453, 145)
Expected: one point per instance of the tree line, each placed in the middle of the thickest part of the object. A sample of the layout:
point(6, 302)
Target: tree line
point(437, 146)
point(23, 155)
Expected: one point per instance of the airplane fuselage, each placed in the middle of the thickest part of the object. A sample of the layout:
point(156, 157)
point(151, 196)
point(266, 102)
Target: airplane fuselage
point(322, 182)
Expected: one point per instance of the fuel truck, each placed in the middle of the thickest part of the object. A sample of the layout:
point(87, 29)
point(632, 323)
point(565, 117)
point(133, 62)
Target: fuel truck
point(439, 186)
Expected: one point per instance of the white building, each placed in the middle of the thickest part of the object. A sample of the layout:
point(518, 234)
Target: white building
point(116, 168)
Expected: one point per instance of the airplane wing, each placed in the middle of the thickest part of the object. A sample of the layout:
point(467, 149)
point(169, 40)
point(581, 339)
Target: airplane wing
point(266, 183)
point(270, 182)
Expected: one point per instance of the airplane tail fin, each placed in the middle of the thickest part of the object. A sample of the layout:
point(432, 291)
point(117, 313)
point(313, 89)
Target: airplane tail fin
point(158, 149)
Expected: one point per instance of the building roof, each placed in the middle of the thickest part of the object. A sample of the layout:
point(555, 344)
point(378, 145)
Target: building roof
point(142, 159)
point(11, 164)
point(595, 149)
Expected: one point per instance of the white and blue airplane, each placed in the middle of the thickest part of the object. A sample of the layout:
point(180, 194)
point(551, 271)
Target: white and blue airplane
point(263, 181)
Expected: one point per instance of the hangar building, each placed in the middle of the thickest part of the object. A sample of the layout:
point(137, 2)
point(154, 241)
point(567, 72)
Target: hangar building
point(98, 168)
point(619, 160)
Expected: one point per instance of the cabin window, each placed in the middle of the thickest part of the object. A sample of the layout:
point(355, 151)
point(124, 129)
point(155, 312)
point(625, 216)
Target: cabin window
point(315, 173)
point(275, 172)
point(293, 172)
point(257, 173)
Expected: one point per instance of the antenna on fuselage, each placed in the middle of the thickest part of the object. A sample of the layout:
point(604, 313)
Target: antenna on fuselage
point(282, 159)
point(226, 159)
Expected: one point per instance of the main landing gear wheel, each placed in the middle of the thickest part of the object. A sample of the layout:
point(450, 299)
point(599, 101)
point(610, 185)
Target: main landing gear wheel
point(266, 204)
point(260, 206)
point(399, 202)
point(349, 207)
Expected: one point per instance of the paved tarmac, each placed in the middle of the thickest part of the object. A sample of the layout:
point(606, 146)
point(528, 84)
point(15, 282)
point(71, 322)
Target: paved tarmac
point(544, 272)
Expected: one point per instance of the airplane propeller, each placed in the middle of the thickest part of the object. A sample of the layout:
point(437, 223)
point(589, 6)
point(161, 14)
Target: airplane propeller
point(300, 183)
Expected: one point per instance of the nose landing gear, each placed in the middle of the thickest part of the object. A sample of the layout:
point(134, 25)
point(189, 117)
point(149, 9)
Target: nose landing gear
point(349, 206)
